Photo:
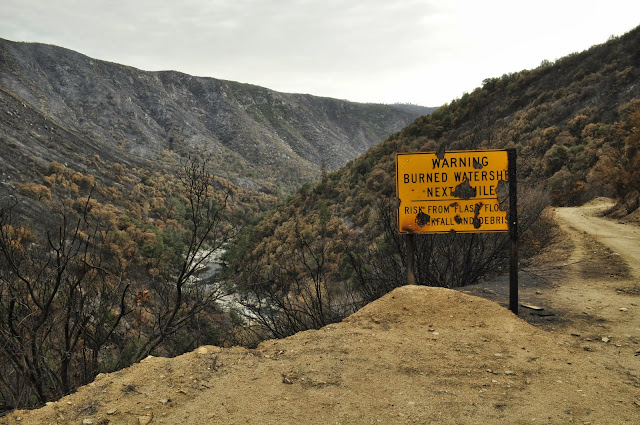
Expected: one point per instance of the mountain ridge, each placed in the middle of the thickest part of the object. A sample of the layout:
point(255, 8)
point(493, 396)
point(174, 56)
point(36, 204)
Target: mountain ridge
point(249, 130)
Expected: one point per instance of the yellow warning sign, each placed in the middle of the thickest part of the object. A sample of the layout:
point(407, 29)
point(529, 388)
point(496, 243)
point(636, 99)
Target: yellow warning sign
point(455, 191)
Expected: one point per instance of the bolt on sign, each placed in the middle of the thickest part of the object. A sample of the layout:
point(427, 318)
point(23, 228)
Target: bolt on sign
point(455, 191)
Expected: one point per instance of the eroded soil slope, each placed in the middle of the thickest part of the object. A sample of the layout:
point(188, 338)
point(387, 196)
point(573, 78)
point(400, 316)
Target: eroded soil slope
point(418, 355)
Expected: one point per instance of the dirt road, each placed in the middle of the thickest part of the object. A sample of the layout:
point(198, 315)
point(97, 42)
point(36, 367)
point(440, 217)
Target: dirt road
point(596, 292)
point(622, 239)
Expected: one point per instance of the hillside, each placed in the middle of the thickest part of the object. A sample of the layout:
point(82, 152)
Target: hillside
point(573, 124)
point(263, 140)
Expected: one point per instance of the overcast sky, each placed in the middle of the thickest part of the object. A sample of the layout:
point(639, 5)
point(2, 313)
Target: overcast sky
point(425, 52)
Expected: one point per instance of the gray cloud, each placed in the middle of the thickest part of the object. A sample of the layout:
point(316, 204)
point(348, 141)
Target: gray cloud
point(423, 51)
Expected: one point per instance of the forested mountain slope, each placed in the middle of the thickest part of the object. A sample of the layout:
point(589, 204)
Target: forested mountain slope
point(574, 124)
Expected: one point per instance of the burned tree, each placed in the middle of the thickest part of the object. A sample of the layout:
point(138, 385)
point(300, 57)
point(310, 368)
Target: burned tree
point(207, 229)
point(61, 298)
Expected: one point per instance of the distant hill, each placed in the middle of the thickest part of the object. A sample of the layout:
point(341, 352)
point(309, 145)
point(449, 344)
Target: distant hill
point(76, 107)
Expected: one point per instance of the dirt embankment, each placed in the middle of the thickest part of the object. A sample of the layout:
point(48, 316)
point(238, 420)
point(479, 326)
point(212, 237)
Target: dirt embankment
point(418, 355)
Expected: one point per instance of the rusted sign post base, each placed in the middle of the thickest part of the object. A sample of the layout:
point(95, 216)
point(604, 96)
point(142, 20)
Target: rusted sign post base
point(513, 232)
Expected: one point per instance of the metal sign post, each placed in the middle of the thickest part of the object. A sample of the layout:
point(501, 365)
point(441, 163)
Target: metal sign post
point(513, 232)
